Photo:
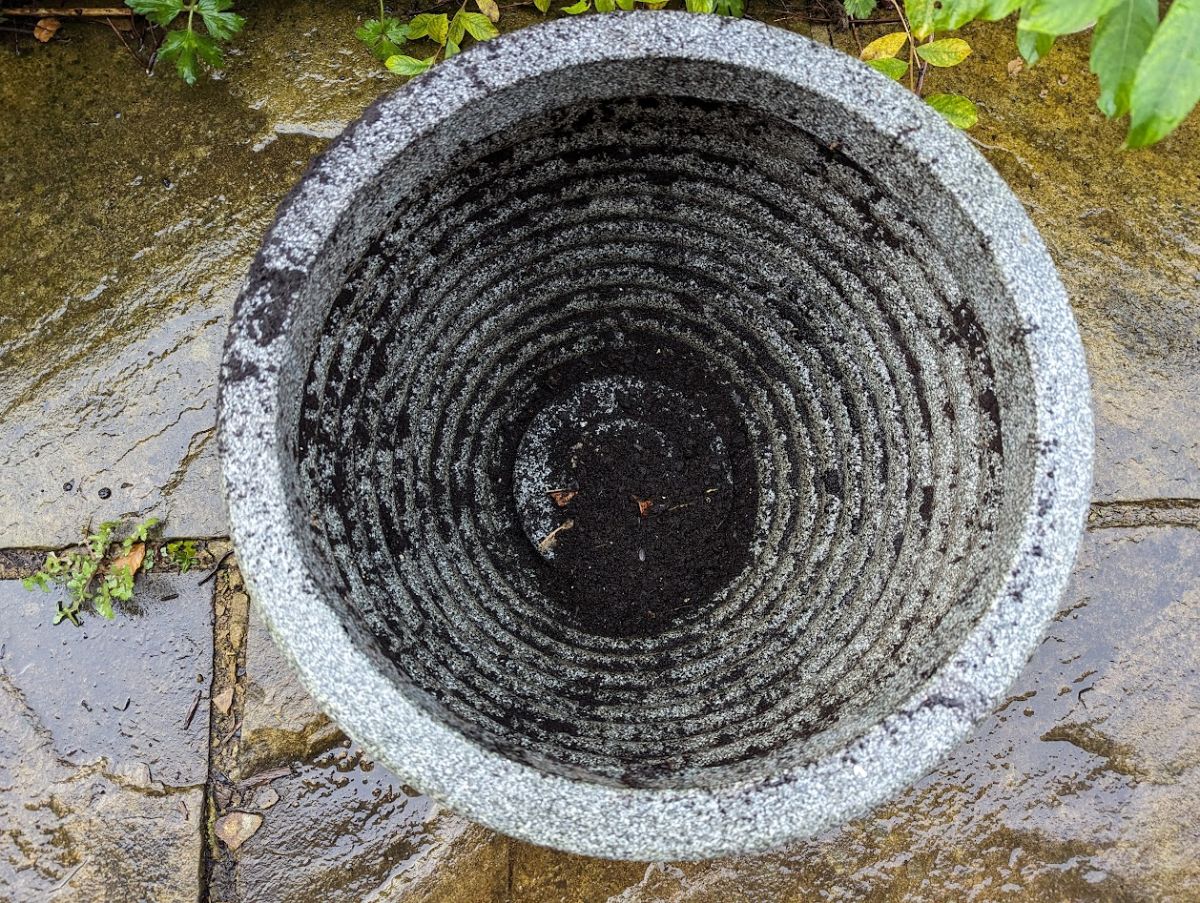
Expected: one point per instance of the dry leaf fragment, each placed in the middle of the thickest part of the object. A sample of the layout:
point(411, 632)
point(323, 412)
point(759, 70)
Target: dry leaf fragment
point(133, 561)
point(552, 537)
point(224, 700)
point(562, 497)
point(644, 506)
point(1015, 67)
point(489, 9)
point(45, 29)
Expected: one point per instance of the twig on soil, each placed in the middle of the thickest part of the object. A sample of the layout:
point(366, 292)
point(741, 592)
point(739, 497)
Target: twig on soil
point(67, 12)
point(67, 880)
point(192, 711)
point(124, 43)
point(265, 777)
point(216, 568)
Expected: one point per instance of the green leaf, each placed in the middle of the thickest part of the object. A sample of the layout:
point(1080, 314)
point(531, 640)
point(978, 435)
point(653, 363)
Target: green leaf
point(887, 46)
point(142, 531)
point(889, 66)
point(1057, 17)
point(160, 12)
point(221, 24)
point(432, 25)
point(407, 65)
point(859, 9)
point(734, 8)
point(99, 540)
point(478, 26)
point(543, 6)
point(458, 28)
point(626, 5)
point(921, 16)
point(944, 53)
point(957, 109)
point(36, 581)
point(692, 6)
point(1033, 45)
point(385, 37)
point(576, 8)
point(954, 14)
point(369, 32)
point(994, 10)
point(185, 47)
point(1167, 85)
point(53, 565)
point(103, 604)
point(1118, 45)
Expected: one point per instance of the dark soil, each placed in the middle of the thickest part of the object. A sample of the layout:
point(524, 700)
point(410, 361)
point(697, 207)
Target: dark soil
point(657, 512)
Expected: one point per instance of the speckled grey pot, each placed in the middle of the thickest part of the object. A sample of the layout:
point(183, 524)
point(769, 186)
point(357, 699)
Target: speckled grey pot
point(808, 242)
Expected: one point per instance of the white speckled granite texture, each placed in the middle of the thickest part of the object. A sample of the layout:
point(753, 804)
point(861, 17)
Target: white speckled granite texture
point(965, 347)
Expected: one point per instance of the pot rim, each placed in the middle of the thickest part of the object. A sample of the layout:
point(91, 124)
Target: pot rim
point(579, 815)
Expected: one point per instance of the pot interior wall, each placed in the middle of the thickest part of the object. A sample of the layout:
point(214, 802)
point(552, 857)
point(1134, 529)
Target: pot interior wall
point(653, 440)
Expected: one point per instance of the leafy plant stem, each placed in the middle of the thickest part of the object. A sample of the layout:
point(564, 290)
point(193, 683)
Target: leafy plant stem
point(911, 43)
point(924, 67)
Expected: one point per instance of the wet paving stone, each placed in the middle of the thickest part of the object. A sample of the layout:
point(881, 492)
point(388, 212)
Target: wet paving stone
point(1084, 786)
point(130, 246)
point(103, 746)
point(334, 825)
point(1122, 228)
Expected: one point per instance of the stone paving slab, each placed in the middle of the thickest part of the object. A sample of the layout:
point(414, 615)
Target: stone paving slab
point(334, 825)
point(129, 246)
point(103, 760)
point(1084, 786)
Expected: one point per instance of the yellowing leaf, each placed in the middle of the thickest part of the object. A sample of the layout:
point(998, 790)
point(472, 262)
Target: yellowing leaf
point(576, 8)
point(407, 65)
point(889, 66)
point(429, 25)
point(882, 48)
point(944, 53)
point(489, 9)
point(478, 26)
point(543, 6)
point(957, 109)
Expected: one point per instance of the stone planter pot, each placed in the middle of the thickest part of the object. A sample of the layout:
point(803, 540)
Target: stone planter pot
point(655, 435)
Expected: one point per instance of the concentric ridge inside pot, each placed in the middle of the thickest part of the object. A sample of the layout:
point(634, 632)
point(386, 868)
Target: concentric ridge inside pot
point(654, 423)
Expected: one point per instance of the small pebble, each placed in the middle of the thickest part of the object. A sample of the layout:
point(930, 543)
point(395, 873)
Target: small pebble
point(266, 798)
point(236, 828)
